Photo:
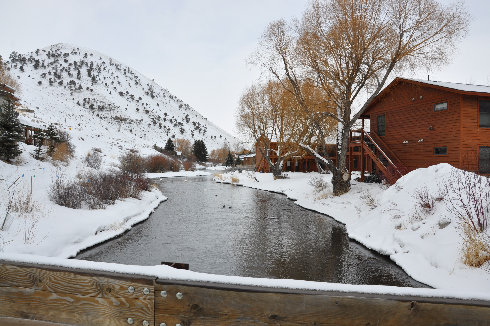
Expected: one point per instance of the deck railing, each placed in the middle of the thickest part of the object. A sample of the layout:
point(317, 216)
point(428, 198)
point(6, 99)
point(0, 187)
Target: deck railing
point(32, 294)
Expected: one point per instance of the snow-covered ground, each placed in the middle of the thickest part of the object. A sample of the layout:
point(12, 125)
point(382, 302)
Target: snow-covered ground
point(427, 244)
point(51, 230)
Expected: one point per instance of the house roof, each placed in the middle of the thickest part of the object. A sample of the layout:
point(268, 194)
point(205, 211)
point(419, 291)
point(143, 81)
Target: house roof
point(460, 88)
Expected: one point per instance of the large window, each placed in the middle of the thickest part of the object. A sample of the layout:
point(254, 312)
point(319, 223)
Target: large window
point(381, 125)
point(484, 159)
point(484, 116)
point(440, 150)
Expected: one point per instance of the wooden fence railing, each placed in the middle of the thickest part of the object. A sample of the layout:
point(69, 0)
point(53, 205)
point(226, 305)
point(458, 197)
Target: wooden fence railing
point(39, 295)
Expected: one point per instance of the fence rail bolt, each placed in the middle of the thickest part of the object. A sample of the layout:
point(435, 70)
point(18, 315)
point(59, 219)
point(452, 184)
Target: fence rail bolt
point(130, 321)
point(146, 291)
point(131, 289)
point(163, 294)
point(179, 295)
point(146, 323)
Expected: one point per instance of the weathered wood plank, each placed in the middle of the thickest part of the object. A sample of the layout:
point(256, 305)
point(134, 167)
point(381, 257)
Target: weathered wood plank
point(9, 321)
point(73, 309)
point(211, 306)
point(60, 281)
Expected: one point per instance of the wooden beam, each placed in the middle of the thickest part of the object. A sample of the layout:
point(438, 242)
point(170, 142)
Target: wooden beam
point(218, 306)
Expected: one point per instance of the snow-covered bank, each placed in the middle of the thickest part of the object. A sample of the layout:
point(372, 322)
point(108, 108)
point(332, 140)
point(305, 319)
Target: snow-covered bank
point(177, 174)
point(427, 244)
point(43, 228)
point(168, 273)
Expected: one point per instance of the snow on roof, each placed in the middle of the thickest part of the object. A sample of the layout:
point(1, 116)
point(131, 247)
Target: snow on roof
point(457, 86)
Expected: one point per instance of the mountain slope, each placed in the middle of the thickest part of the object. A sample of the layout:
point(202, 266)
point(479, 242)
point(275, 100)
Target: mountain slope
point(103, 103)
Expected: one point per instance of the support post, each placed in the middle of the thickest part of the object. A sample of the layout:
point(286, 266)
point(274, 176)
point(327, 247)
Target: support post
point(362, 151)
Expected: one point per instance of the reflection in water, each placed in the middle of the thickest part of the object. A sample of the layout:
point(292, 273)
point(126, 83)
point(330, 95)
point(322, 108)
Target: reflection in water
point(232, 230)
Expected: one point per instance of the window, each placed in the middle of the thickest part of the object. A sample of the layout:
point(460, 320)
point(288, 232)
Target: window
point(440, 106)
point(381, 125)
point(484, 159)
point(440, 150)
point(484, 117)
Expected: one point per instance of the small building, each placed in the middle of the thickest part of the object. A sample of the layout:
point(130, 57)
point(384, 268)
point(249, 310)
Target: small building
point(247, 159)
point(418, 123)
point(301, 162)
point(414, 124)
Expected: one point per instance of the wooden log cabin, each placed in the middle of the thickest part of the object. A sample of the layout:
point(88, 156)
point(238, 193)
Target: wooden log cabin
point(301, 162)
point(414, 124)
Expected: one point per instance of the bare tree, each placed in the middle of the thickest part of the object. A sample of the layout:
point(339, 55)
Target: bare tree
point(6, 78)
point(350, 48)
point(268, 114)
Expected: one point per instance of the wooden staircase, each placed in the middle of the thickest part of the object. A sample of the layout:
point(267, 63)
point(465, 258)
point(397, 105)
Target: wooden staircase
point(383, 158)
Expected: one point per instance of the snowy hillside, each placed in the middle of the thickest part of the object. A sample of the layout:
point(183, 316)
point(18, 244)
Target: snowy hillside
point(103, 103)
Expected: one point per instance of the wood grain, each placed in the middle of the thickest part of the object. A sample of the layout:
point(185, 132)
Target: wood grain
point(207, 306)
point(72, 309)
point(73, 283)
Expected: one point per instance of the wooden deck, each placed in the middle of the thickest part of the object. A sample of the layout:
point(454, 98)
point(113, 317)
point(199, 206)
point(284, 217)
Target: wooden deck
point(46, 296)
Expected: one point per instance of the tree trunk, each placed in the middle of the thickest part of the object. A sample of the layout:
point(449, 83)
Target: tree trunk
point(277, 169)
point(340, 181)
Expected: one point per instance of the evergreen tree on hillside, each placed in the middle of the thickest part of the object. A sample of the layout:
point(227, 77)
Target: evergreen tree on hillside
point(229, 160)
point(11, 132)
point(200, 151)
point(238, 161)
point(53, 137)
point(169, 146)
point(39, 138)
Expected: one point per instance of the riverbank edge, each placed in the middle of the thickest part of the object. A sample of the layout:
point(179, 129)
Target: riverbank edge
point(416, 266)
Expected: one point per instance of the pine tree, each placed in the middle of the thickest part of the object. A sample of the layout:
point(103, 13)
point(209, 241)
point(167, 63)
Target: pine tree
point(169, 146)
point(53, 138)
point(11, 132)
point(229, 160)
point(238, 161)
point(200, 151)
point(39, 138)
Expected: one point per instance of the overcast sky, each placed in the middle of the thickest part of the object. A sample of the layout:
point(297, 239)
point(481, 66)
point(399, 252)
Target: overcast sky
point(197, 49)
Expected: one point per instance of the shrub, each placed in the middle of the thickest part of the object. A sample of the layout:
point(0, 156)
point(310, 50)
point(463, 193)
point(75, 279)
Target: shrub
point(469, 201)
point(157, 164)
point(188, 166)
point(318, 183)
point(65, 193)
point(132, 163)
point(424, 199)
point(94, 158)
point(97, 189)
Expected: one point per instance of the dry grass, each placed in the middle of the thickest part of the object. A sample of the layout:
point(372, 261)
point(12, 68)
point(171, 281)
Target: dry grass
point(476, 250)
point(235, 180)
point(62, 152)
point(218, 176)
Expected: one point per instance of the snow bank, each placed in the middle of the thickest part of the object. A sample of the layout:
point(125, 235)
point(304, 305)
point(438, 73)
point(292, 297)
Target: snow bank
point(425, 243)
point(52, 230)
point(169, 273)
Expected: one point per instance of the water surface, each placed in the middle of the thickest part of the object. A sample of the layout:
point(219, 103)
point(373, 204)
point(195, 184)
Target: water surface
point(232, 230)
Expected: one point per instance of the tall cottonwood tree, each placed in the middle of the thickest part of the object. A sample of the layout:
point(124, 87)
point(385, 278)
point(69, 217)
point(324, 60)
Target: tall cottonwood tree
point(267, 113)
point(350, 48)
